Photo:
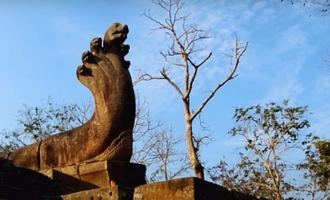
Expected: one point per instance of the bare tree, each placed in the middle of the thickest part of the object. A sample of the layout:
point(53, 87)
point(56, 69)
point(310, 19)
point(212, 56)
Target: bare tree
point(144, 128)
point(157, 148)
point(184, 54)
point(167, 160)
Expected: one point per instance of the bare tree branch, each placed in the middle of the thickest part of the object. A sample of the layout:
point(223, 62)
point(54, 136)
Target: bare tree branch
point(172, 83)
point(239, 52)
point(194, 75)
point(165, 55)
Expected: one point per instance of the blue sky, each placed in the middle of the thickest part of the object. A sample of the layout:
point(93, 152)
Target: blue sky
point(41, 44)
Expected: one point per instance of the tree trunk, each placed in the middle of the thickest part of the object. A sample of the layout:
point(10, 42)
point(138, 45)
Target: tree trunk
point(278, 196)
point(192, 151)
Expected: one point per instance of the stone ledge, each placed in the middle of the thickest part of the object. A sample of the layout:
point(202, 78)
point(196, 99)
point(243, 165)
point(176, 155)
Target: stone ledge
point(187, 189)
point(110, 193)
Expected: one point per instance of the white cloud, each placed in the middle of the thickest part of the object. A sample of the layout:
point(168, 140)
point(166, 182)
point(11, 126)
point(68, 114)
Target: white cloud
point(287, 89)
point(285, 84)
point(288, 55)
point(321, 122)
point(323, 85)
point(294, 37)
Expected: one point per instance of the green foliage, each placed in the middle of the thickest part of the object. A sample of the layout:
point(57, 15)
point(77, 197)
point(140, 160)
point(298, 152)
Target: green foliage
point(317, 168)
point(36, 123)
point(322, 168)
point(270, 134)
point(247, 176)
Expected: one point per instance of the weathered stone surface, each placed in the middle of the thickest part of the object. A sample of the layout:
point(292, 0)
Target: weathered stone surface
point(110, 193)
point(108, 134)
point(187, 189)
point(97, 175)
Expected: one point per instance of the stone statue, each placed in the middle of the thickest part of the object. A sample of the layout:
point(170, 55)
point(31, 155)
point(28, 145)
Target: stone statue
point(108, 134)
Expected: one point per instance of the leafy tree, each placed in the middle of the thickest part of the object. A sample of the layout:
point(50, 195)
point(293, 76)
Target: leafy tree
point(317, 169)
point(270, 133)
point(184, 56)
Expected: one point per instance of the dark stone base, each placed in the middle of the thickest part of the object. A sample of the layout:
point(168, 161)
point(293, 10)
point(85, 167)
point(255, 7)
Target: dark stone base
point(20, 183)
point(69, 182)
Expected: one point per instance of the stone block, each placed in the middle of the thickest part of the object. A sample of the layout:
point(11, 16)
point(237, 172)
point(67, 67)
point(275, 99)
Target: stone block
point(110, 193)
point(187, 189)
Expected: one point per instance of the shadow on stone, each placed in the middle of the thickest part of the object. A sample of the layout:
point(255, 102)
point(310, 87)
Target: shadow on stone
point(69, 184)
point(21, 183)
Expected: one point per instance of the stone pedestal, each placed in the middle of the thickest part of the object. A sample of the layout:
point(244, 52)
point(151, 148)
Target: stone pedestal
point(97, 175)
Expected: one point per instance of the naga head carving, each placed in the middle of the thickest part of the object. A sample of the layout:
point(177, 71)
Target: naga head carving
point(108, 134)
point(104, 64)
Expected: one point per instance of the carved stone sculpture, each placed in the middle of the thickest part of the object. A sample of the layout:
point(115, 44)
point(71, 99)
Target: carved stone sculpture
point(108, 134)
